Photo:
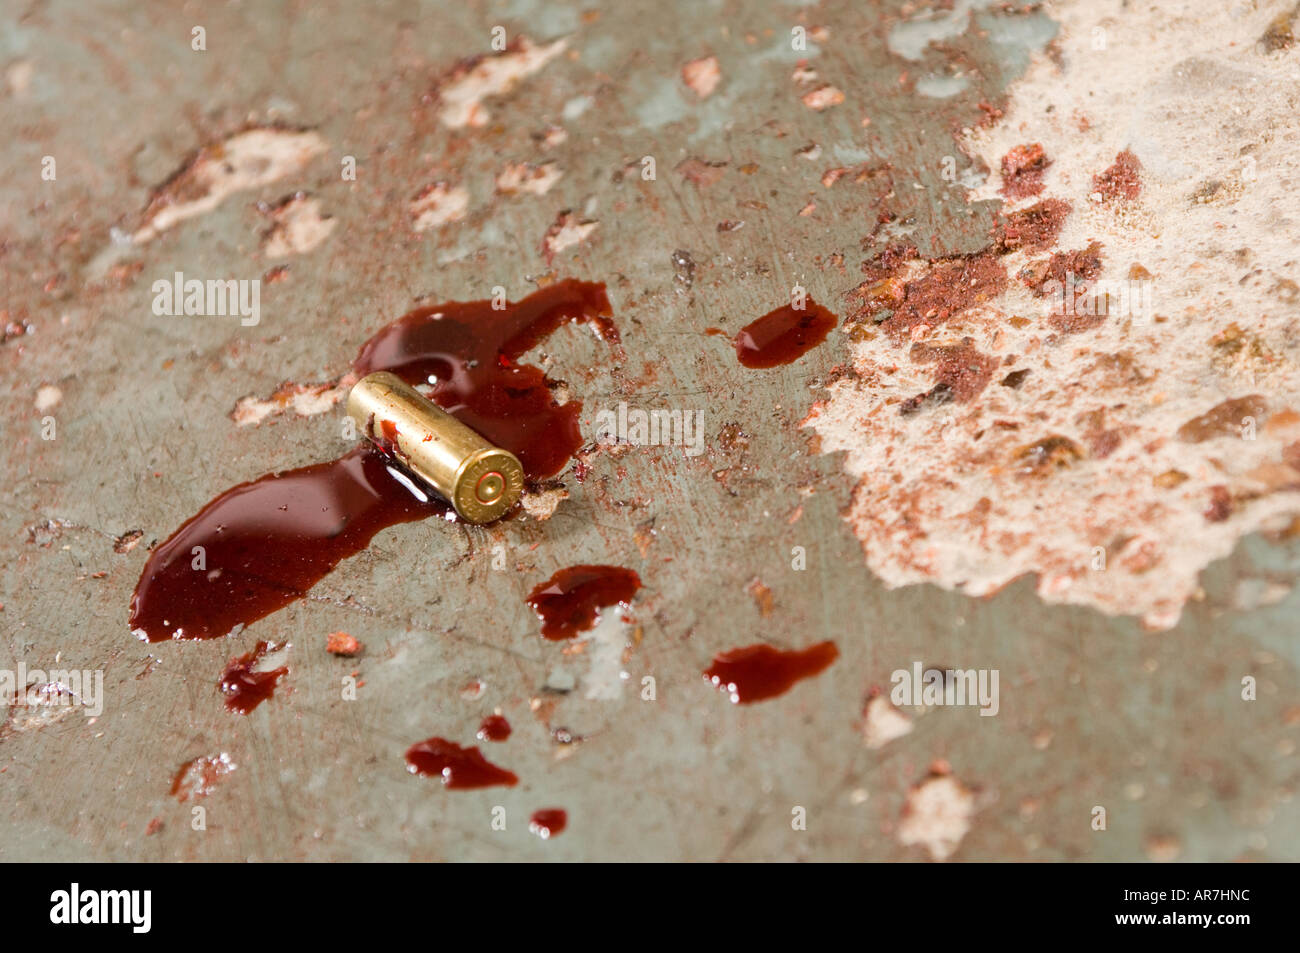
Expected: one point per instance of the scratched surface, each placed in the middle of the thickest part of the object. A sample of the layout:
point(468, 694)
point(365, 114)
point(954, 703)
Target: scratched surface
point(1093, 710)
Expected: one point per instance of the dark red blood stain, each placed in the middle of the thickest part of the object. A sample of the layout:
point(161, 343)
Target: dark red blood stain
point(266, 543)
point(459, 768)
point(468, 351)
point(760, 671)
point(548, 822)
point(246, 688)
point(567, 603)
point(784, 335)
point(494, 728)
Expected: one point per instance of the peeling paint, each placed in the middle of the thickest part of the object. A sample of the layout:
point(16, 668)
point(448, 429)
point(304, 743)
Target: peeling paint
point(1062, 473)
point(247, 160)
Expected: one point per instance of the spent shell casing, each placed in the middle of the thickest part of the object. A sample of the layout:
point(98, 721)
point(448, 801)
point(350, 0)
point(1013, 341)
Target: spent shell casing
point(480, 480)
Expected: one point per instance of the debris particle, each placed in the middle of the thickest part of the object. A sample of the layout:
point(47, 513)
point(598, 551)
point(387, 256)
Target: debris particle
point(1220, 506)
point(1280, 35)
point(340, 643)
point(683, 269)
point(1047, 455)
point(1015, 378)
point(823, 97)
point(519, 177)
point(761, 595)
point(298, 227)
point(1163, 848)
point(127, 541)
point(541, 503)
point(702, 75)
point(566, 231)
point(47, 398)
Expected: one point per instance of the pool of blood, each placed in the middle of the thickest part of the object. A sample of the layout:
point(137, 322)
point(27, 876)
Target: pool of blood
point(569, 601)
point(761, 671)
point(784, 335)
point(244, 687)
point(468, 353)
point(548, 822)
point(459, 768)
point(494, 728)
point(264, 544)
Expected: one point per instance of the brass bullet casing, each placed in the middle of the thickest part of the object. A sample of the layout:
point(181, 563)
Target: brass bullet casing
point(480, 480)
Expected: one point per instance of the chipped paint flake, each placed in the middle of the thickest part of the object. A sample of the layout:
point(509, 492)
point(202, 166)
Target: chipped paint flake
point(702, 75)
point(1072, 460)
point(823, 97)
point(566, 231)
point(542, 503)
point(519, 177)
point(47, 398)
point(936, 816)
point(883, 723)
point(303, 400)
point(438, 204)
point(298, 227)
point(465, 88)
point(247, 160)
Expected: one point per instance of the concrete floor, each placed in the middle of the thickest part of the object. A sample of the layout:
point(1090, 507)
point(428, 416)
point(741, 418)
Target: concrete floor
point(1094, 711)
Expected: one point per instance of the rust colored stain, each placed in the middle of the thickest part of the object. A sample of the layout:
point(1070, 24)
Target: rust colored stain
point(1122, 180)
point(959, 368)
point(1022, 171)
point(1048, 275)
point(1033, 229)
point(948, 287)
point(1224, 419)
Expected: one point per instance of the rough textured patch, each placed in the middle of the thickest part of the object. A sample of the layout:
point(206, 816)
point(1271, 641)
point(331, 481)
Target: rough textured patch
point(298, 227)
point(247, 160)
point(526, 177)
point(937, 815)
point(702, 76)
point(438, 204)
point(462, 92)
point(1174, 353)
